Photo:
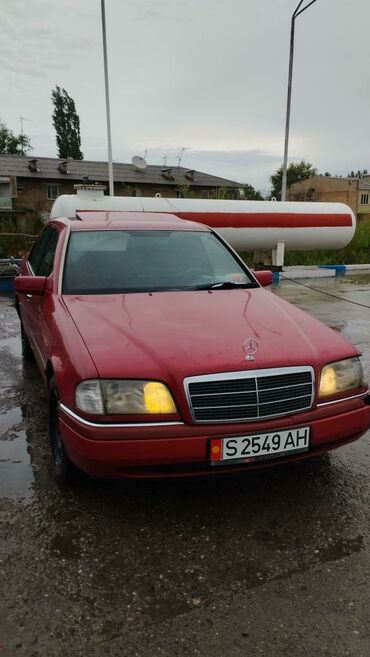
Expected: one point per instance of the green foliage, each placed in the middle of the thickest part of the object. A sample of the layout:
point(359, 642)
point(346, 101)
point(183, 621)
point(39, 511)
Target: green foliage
point(14, 246)
point(186, 192)
point(67, 125)
point(356, 253)
point(248, 193)
point(295, 173)
point(357, 174)
point(11, 144)
point(219, 193)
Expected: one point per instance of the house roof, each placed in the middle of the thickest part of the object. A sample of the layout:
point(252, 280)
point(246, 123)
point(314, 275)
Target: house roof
point(18, 165)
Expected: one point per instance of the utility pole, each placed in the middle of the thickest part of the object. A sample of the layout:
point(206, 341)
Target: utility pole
point(106, 81)
point(295, 15)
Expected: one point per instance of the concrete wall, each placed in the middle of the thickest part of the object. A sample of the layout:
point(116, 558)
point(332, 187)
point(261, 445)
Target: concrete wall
point(363, 209)
point(321, 188)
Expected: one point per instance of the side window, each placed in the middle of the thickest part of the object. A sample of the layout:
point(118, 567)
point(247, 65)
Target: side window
point(37, 248)
point(42, 255)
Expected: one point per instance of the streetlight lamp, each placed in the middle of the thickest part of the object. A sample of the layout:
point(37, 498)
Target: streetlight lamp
point(106, 80)
point(295, 15)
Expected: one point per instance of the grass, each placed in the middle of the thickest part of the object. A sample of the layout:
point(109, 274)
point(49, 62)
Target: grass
point(356, 253)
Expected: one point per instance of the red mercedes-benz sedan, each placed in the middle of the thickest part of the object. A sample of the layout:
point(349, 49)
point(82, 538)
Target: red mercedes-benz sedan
point(163, 355)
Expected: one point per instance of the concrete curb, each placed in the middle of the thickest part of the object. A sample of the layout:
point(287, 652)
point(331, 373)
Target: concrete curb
point(339, 268)
point(321, 271)
point(304, 272)
point(357, 267)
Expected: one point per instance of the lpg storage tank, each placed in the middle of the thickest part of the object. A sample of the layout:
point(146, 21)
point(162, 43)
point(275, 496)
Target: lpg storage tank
point(247, 225)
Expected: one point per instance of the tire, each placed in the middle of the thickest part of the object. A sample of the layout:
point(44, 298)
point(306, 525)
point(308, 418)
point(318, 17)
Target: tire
point(63, 469)
point(27, 352)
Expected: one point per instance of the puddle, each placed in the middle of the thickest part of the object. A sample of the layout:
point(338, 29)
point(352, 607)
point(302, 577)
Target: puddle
point(9, 419)
point(16, 476)
point(11, 344)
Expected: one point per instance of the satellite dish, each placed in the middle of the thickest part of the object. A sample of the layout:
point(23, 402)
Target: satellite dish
point(139, 162)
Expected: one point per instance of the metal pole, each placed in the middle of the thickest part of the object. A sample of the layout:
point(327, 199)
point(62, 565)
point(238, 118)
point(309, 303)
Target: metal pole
point(287, 121)
point(297, 12)
point(106, 80)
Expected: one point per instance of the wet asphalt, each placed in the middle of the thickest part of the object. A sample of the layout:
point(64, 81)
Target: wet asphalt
point(275, 563)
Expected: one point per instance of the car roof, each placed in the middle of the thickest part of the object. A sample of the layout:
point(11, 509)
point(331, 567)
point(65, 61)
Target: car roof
point(118, 220)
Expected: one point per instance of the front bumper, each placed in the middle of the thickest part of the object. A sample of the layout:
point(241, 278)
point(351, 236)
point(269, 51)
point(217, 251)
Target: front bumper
point(177, 449)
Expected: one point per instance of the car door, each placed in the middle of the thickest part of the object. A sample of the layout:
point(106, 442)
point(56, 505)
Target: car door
point(35, 310)
point(28, 269)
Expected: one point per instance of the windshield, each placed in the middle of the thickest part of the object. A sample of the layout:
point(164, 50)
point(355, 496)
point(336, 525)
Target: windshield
point(112, 261)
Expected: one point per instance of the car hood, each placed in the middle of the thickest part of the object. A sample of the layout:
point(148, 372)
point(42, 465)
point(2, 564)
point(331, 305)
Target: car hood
point(171, 335)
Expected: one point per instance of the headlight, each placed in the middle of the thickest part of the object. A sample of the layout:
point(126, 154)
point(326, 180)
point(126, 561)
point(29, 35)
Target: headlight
point(115, 397)
point(341, 376)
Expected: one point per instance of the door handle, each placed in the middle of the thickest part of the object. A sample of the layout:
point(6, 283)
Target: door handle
point(28, 297)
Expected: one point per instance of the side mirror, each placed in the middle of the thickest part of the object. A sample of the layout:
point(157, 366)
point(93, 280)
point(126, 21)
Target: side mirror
point(264, 277)
point(34, 285)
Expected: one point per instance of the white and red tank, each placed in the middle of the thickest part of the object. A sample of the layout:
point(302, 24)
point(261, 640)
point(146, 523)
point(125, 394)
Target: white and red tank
point(246, 225)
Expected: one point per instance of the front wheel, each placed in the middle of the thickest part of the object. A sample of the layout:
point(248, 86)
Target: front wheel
point(64, 470)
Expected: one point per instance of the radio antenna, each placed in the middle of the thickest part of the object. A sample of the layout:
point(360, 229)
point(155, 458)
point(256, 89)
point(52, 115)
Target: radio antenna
point(180, 156)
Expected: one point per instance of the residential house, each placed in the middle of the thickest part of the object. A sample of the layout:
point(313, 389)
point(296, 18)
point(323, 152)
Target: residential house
point(355, 192)
point(29, 185)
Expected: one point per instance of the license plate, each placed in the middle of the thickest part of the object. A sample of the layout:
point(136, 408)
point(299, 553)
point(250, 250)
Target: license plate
point(244, 449)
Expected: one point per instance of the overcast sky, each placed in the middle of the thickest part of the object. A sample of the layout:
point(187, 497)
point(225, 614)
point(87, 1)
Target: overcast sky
point(207, 75)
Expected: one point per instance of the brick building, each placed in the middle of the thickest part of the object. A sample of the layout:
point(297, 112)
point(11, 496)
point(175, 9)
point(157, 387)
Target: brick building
point(29, 185)
point(355, 192)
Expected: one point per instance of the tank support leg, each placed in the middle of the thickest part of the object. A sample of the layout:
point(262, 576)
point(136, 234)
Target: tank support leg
point(278, 254)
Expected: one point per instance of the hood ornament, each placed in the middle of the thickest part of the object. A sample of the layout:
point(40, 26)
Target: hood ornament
point(250, 348)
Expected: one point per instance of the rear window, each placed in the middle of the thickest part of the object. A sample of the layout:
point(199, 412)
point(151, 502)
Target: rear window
point(105, 262)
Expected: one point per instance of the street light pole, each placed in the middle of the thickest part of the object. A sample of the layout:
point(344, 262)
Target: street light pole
point(106, 80)
point(296, 13)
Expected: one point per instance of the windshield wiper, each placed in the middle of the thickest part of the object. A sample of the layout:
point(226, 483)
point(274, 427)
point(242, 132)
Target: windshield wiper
point(224, 285)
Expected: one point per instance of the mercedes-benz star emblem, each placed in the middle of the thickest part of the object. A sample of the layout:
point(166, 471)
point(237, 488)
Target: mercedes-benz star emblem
point(250, 347)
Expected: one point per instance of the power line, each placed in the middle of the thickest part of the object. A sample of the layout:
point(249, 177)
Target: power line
point(328, 294)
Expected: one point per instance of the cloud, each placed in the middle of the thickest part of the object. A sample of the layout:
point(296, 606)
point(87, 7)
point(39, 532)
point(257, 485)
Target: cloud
point(210, 76)
point(31, 44)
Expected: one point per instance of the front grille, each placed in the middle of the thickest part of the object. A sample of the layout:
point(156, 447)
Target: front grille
point(241, 396)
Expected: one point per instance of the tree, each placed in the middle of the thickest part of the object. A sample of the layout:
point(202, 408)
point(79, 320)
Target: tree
point(67, 125)
point(295, 173)
point(11, 144)
point(248, 193)
point(357, 174)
